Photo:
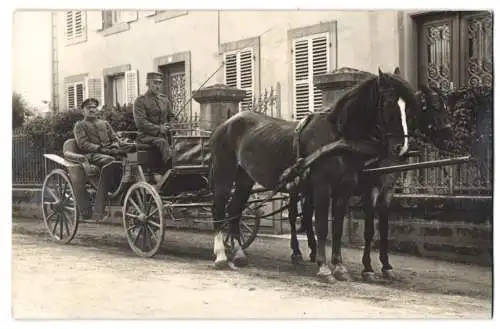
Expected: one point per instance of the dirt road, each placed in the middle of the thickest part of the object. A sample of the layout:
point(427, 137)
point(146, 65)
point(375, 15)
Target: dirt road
point(98, 276)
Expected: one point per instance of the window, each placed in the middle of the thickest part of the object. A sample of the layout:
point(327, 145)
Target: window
point(74, 95)
point(239, 73)
point(455, 50)
point(94, 88)
point(115, 21)
point(115, 17)
point(75, 26)
point(241, 61)
point(310, 58)
point(122, 88)
point(118, 90)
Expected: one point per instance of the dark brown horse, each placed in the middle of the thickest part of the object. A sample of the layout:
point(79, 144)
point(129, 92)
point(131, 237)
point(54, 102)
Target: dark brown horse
point(253, 148)
point(376, 191)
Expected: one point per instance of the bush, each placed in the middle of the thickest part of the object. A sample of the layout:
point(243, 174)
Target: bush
point(471, 115)
point(48, 134)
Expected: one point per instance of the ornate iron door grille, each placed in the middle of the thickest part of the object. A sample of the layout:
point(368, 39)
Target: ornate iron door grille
point(456, 50)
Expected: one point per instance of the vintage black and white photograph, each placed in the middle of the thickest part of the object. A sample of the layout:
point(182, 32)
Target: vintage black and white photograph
point(173, 163)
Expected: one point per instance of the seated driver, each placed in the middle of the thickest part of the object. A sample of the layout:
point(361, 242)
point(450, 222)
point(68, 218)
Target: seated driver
point(99, 143)
point(152, 115)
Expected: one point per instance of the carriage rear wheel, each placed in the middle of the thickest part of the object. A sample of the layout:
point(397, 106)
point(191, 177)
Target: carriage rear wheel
point(60, 213)
point(143, 219)
point(249, 228)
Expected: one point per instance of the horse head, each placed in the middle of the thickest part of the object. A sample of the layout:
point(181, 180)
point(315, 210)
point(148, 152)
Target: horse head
point(377, 108)
point(435, 121)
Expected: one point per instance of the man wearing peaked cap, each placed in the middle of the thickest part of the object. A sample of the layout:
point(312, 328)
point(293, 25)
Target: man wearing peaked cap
point(99, 143)
point(152, 113)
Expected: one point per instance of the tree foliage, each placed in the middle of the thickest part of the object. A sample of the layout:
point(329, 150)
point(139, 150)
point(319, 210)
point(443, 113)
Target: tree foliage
point(20, 110)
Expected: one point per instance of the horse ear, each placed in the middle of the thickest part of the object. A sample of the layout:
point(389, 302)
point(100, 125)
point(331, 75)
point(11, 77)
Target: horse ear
point(397, 71)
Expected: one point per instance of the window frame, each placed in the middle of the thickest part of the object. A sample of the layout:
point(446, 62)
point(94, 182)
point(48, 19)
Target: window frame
point(328, 29)
point(238, 47)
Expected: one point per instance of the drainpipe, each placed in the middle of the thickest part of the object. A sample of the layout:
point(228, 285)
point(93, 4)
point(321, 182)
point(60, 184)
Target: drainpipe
point(218, 32)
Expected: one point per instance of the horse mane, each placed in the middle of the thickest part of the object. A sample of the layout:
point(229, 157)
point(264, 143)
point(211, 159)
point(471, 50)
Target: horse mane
point(354, 111)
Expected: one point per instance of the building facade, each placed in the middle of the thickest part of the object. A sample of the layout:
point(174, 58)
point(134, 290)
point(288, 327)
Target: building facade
point(106, 54)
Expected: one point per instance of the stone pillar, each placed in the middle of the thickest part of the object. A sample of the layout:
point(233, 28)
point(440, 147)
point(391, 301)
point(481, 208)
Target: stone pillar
point(336, 83)
point(217, 104)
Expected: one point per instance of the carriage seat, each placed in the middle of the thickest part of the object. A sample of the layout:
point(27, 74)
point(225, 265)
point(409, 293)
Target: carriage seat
point(72, 153)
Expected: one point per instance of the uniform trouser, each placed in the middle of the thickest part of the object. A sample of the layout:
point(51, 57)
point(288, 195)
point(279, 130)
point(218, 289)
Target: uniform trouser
point(101, 160)
point(161, 143)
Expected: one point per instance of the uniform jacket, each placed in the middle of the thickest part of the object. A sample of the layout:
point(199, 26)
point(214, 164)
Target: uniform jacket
point(150, 112)
point(91, 135)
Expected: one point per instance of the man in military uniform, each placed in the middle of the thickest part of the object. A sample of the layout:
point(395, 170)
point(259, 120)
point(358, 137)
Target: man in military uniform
point(152, 113)
point(99, 143)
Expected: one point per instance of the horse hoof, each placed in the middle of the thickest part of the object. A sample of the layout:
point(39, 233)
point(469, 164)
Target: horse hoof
point(296, 259)
point(312, 258)
point(326, 278)
point(221, 264)
point(239, 258)
point(240, 261)
point(368, 276)
point(388, 274)
point(340, 273)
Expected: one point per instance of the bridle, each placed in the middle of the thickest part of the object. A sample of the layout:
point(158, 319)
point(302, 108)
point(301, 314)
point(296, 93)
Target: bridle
point(385, 96)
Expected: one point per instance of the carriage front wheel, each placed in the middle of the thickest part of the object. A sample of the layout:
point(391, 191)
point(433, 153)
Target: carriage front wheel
point(143, 219)
point(59, 210)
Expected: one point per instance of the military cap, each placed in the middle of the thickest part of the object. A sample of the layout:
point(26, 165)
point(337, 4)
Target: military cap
point(154, 76)
point(90, 102)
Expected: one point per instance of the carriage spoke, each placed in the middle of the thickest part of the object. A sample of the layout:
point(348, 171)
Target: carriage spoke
point(61, 225)
point(137, 236)
point(49, 217)
point(155, 224)
point(140, 197)
point(131, 228)
point(55, 225)
point(144, 236)
point(53, 194)
point(132, 215)
point(66, 225)
point(246, 226)
point(149, 203)
point(139, 210)
point(153, 234)
point(153, 213)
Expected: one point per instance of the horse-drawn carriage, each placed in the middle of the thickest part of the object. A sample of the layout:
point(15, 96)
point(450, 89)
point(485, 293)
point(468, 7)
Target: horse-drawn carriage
point(145, 204)
point(371, 119)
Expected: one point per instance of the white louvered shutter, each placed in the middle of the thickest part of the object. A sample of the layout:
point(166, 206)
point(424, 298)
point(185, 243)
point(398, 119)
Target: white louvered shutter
point(78, 23)
point(70, 96)
point(79, 94)
point(93, 88)
point(131, 86)
point(310, 59)
point(69, 23)
point(239, 73)
point(75, 24)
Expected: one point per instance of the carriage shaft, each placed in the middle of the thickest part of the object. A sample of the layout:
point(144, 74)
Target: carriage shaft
point(420, 165)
